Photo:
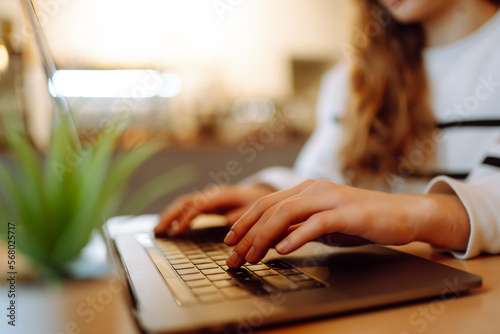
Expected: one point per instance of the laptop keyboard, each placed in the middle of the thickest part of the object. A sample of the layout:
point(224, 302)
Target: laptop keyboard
point(204, 277)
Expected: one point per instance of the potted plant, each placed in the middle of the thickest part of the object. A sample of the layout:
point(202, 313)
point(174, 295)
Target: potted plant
point(54, 204)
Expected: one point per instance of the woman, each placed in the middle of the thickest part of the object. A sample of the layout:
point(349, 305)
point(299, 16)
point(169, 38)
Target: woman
point(416, 108)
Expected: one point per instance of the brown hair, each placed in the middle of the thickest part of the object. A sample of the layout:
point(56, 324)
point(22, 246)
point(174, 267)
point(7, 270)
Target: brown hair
point(389, 108)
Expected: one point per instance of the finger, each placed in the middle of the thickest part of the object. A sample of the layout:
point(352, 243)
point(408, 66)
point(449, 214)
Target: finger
point(170, 214)
point(233, 215)
point(252, 216)
point(289, 212)
point(186, 208)
point(210, 201)
point(322, 223)
point(273, 224)
point(237, 257)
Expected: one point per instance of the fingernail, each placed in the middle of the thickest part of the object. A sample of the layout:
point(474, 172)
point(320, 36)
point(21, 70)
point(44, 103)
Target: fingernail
point(173, 228)
point(232, 260)
point(229, 238)
point(282, 247)
point(250, 254)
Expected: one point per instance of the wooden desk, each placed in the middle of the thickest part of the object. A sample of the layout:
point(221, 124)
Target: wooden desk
point(100, 306)
point(478, 312)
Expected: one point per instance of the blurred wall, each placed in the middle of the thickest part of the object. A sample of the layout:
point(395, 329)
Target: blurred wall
point(223, 50)
point(248, 45)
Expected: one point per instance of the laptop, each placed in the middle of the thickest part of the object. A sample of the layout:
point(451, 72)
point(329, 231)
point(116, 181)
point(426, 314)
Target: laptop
point(182, 284)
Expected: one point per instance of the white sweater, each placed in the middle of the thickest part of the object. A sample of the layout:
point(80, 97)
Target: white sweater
point(465, 89)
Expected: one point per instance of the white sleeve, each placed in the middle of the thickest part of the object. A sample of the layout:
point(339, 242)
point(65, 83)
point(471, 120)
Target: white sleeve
point(318, 158)
point(480, 195)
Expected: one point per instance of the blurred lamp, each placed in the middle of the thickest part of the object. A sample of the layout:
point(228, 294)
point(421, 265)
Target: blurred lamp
point(136, 84)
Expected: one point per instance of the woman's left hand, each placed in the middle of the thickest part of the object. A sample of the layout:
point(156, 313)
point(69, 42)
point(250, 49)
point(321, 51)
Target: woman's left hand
point(346, 216)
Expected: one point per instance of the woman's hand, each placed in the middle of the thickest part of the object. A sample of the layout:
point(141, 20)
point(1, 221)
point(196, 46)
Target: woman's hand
point(232, 201)
point(321, 210)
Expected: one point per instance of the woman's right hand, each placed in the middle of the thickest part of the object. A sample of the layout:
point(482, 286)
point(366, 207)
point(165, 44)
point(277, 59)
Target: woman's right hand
point(229, 200)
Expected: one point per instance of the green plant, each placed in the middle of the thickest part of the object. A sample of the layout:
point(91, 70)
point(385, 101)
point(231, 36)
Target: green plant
point(58, 200)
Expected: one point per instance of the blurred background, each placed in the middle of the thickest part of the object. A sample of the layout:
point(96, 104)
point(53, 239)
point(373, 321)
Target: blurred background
point(215, 80)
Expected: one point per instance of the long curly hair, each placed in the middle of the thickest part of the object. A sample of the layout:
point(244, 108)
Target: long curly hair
point(389, 108)
point(389, 111)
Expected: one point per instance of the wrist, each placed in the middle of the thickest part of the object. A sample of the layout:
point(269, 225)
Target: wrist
point(442, 221)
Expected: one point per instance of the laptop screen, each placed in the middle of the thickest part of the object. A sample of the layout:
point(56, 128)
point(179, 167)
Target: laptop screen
point(47, 60)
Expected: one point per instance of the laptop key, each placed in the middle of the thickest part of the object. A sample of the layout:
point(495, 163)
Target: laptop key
point(192, 252)
point(187, 271)
point(207, 265)
point(287, 272)
point(199, 255)
point(168, 253)
point(281, 283)
point(215, 253)
point(278, 264)
point(239, 272)
point(263, 273)
point(183, 266)
point(202, 260)
point(247, 279)
point(213, 271)
point(255, 267)
point(179, 261)
point(218, 277)
point(192, 277)
point(165, 242)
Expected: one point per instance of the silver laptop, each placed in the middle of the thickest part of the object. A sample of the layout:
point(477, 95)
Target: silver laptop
point(183, 284)
point(180, 285)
